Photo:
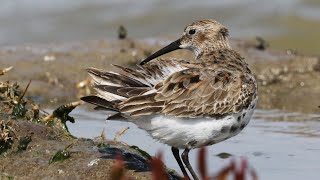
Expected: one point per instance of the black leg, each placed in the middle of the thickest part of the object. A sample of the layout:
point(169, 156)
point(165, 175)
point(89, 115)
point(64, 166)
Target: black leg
point(185, 158)
point(175, 152)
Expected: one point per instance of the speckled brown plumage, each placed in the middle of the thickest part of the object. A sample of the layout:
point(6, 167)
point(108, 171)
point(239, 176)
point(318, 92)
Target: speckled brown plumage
point(175, 99)
point(219, 84)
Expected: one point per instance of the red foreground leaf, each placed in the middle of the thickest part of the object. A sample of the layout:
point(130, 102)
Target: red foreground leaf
point(117, 172)
point(202, 165)
point(157, 168)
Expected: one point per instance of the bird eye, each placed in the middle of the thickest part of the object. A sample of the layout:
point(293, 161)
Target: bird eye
point(192, 31)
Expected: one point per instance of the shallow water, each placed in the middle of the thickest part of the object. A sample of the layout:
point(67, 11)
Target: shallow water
point(278, 145)
point(286, 23)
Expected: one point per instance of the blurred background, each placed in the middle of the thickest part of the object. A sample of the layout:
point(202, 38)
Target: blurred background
point(285, 24)
point(52, 42)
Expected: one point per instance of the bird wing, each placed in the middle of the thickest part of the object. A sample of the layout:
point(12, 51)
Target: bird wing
point(155, 71)
point(194, 92)
point(113, 88)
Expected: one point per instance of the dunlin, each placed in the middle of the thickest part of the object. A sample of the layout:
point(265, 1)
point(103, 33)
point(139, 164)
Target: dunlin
point(185, 104)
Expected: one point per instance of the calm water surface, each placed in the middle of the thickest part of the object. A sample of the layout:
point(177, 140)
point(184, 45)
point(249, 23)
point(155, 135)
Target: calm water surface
point(275, 148)
point(286, 24)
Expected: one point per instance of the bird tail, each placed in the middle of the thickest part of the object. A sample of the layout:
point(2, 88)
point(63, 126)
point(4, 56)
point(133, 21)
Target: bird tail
point(113, 88)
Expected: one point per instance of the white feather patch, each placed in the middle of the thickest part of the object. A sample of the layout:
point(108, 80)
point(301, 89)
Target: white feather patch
point(109, 96)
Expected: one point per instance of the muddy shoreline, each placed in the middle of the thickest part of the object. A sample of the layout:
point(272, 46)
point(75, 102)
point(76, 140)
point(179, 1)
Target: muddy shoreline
point(86, 158)
point(287, 80)
point(35, 145)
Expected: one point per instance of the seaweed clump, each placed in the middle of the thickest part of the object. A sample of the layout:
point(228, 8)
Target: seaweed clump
point(7, 135)
point(13, 105)
point(14, 108)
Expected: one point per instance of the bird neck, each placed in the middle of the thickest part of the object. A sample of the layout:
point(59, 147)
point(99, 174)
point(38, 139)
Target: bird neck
point(208, 48)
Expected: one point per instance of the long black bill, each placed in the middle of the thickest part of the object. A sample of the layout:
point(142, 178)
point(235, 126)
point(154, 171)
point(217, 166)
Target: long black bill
point(171, 47)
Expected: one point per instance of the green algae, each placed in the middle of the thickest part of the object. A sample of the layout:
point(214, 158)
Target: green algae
point(19, 111)
point(23, 143)
point(60, 156)
point(224, 155)
point(142, 152)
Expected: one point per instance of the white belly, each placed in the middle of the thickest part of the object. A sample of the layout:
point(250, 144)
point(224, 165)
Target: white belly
point(193, 132)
